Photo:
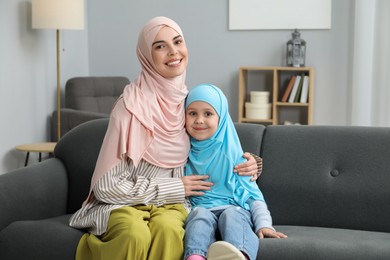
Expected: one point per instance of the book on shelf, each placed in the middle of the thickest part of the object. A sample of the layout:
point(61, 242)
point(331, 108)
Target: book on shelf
point(288, 89)
point(305, 90)
point(299, 91)
point(294, 89)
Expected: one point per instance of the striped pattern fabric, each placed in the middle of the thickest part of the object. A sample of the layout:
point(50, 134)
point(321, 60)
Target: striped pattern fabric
point(125, 185)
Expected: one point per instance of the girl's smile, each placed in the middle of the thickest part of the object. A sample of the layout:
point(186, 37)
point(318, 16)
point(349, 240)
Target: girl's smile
point(201, 120)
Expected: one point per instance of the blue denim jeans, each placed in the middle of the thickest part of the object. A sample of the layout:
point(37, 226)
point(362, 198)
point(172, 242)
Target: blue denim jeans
point(234, 225)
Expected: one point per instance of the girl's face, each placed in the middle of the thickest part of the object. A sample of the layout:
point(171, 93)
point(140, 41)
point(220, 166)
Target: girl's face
point(201, 120)
point(169, 53)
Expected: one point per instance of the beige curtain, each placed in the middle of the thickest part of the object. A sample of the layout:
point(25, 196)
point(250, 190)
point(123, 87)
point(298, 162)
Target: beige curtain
point(370, 85)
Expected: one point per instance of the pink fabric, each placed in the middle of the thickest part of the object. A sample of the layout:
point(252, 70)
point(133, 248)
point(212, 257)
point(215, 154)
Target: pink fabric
point(196, 257)
point(158, 105)
point(147, 122)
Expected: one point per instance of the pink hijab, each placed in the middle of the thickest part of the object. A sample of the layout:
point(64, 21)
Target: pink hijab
point(148, 120)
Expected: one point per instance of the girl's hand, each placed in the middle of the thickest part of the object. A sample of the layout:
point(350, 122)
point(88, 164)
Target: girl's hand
point(195, 184)
point(250, 167)
point(268, 232)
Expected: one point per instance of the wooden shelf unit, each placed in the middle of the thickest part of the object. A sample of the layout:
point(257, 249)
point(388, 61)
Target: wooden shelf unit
point(275, 80)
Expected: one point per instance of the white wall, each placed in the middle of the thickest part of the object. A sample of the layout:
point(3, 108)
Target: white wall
point(28, 78)
point(107, 47)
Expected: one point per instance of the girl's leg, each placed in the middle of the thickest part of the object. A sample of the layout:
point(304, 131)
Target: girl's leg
point(127, 237)
point(235, 226)
point(201, 225)
point(167, 231)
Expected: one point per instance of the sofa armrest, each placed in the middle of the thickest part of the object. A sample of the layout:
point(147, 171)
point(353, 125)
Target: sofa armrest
point(71, 118)
point(34, 192)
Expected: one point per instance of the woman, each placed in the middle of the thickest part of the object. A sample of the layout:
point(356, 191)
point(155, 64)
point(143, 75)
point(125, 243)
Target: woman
point(136, 207)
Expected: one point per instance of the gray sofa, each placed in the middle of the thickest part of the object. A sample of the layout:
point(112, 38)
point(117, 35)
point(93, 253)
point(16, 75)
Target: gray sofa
point(87, 98)
point(328, 189)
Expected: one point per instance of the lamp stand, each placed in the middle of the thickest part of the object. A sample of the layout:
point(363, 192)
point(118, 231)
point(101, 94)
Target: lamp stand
point(58, 87)
point(58, 14)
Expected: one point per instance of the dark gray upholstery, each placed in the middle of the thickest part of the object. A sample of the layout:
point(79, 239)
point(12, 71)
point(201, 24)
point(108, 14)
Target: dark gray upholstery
point(316, 243)
point(322, 184)
point(94, 94)
point(328, 189)
point(345, 170)
point(87, 98)
point(36, 202)
point(78, 151)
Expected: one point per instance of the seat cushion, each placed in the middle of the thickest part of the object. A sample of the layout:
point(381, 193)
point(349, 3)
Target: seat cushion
point(325, 243)
point(46, 239)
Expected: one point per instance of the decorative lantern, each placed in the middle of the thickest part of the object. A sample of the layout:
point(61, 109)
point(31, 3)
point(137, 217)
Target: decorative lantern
point(296, 50)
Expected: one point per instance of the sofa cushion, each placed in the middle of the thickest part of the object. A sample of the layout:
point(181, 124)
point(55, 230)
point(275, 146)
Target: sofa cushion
point(327, 176)
point(33, 193)
point(325, 243)
point(94, 94)
point(45, 239)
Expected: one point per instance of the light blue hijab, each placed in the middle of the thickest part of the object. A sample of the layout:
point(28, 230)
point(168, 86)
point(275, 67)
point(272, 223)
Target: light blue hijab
point(218, 155)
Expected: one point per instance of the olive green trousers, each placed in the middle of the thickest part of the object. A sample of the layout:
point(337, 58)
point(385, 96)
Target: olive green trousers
point(138, 233)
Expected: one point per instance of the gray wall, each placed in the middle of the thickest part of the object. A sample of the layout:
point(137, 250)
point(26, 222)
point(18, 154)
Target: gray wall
point(28, 78)
point(217, 53)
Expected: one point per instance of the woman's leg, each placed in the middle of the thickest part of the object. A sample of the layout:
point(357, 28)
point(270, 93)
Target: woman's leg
point(235, 226)
point(127, 237)
point(167, 231)
point(201, 225)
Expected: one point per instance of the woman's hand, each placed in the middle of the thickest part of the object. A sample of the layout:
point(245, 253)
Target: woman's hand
point(195, 184)
point(250, 168)
point(268, 232)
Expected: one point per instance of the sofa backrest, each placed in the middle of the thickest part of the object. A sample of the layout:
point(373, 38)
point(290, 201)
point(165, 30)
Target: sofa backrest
point(79, 150)
point(94, 94)
point(329, 176)
point(251, 136)
point(80, 147)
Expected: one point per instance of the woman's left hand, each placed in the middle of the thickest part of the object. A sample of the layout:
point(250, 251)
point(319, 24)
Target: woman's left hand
point(249, 168)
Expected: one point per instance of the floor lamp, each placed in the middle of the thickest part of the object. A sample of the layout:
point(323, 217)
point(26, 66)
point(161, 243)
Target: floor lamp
point(59, 15)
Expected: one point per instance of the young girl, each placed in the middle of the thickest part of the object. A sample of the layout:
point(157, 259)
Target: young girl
point(136, 205)
point(233, 201)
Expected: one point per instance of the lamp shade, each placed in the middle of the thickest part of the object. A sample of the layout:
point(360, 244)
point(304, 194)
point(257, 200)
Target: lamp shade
point(58, 14)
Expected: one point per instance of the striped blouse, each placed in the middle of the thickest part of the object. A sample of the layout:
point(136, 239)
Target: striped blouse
point(125, 185)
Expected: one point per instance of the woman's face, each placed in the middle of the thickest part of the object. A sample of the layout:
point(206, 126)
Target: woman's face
point(169, 53)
